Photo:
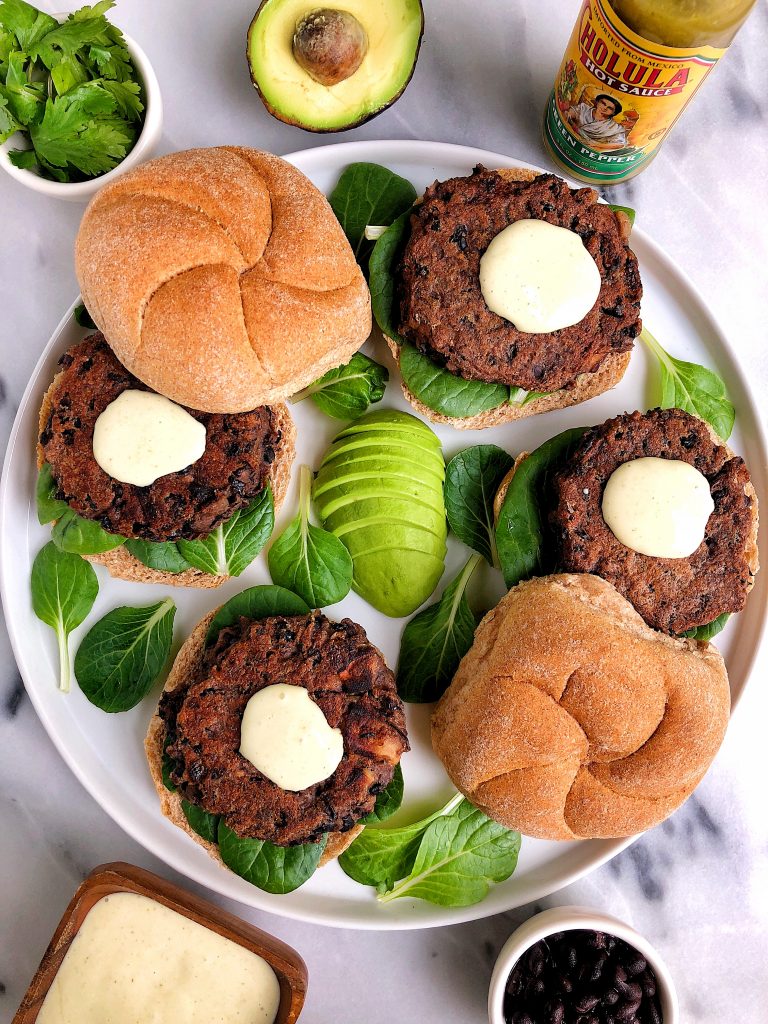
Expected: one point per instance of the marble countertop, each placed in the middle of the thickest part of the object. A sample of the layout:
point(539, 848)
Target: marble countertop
point(698, 885)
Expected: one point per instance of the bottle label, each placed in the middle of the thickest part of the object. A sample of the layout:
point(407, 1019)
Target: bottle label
point(617, 95)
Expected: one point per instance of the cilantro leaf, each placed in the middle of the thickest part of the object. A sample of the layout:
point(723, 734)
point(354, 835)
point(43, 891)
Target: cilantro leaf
point(127, 95)
point(24, 158)
point(67, 74)
point(68, 39)
point(92, 99)
point(98, 10)
point(25, 99)
point(7, 45)
point(112, 61)
point(66, 135)
point(25, 21)
point(8, 123)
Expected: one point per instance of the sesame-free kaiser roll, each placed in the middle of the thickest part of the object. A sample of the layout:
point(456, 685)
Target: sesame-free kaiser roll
point(221, 278)
point(570, 718)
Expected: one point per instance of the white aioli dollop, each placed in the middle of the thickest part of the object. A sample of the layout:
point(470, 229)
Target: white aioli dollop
point(135, 961)
point(658, 507)
point(287, 737)
point(142, 436)
point(539, 276)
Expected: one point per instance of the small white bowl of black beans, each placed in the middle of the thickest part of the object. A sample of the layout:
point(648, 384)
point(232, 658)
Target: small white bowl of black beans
point(576, 965)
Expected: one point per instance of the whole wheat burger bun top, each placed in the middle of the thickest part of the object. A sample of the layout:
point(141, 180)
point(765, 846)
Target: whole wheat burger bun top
point(569, 718)
point(221, 278)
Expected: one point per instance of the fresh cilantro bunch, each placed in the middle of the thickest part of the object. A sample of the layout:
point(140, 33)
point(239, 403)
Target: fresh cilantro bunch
point(71, 87)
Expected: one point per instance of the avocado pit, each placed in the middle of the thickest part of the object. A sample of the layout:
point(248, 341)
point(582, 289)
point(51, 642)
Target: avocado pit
point(329, 45)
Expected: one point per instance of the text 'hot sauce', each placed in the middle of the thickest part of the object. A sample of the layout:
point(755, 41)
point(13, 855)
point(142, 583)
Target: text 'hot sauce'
point(629, 70)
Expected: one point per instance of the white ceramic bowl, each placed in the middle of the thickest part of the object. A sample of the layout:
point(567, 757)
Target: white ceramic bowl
point(79, 191)
point(561, 919)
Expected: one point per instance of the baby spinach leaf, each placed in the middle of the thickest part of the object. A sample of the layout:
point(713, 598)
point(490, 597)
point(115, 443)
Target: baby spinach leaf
point(277, 869)
point(80, 536)
point(388, 801)
point(383, 261)
point(83, 317)
point(693, 388)
point(369, 194)
point(445, 392)
point(624, 209)
point(49, 507)
point(200, 821)
point(435, 641)
point(472, 479)
point(706, 632)
point(520, 532)
point(346, 392)
point(255, 603)
point(164, 557)
point(460, 856)
point(122, 655)
point(64, 588)
point(382, 856)
point(233, 545)
point(308, 560)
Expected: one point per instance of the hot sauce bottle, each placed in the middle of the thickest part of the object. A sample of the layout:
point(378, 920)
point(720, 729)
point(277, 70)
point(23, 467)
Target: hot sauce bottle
point(629, 70)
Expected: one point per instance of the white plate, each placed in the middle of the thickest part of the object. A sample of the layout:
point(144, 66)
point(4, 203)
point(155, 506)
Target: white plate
point(105, 751)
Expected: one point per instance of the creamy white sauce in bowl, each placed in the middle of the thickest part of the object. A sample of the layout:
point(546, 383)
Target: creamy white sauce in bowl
point(136, 961)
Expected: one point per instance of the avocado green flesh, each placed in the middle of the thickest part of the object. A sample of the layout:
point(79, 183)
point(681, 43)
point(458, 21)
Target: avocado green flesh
point(385, 510)
point(392, 419)
point(381, 494)
point(394, 29)
point(404, 443)
point(383, 484)
point(386, 583)
point(396, 472)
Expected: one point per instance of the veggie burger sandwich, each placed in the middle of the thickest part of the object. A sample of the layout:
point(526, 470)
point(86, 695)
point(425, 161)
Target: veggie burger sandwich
point(276, 731)
point(221, 283)
point(513, 294)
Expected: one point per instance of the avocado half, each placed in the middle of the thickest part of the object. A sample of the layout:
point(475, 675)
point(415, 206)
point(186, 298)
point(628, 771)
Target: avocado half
point(393, 28)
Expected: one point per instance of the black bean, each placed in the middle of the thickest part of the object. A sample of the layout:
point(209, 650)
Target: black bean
point(654, 1014)
point(648, 984)
point(636, 965)
point(597, 968)
point(555, 1012)
point(586, 1003)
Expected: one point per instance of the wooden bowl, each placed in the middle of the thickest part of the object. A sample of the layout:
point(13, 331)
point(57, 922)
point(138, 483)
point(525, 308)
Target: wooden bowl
point(107, 879)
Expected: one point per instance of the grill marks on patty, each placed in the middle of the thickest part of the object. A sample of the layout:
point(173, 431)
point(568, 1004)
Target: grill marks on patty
point(671, 594)
point(443, 312)
point(232, 471)
point(345, 675)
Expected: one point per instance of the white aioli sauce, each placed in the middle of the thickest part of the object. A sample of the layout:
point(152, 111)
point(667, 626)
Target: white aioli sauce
point(658, 507)
point(539, 276)
point(135, 961)
point(287, 737)
point(142, 436)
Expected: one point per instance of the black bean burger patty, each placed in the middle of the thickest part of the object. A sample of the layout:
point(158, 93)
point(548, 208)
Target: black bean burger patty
point(232, 471)
point(344, 674)
point(671, 594)
point(443, 312)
